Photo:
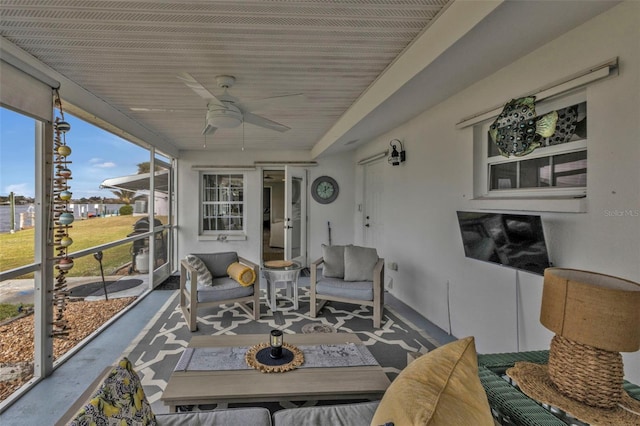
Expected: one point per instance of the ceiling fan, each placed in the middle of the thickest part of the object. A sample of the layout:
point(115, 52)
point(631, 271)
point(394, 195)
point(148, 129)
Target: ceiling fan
point(226, 111)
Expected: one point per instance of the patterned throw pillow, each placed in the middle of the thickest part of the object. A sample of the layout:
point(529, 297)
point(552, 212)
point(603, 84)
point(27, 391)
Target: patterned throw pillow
point(204, 275)
point(119, 401)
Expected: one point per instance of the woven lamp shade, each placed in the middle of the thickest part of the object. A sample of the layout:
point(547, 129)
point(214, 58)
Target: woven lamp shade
point(595, 317)
point(593, 309)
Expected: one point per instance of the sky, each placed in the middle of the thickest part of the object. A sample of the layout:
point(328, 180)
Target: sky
point(96, 155)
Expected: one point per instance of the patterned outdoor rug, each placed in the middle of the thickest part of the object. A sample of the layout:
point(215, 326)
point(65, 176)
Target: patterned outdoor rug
point(156, 351)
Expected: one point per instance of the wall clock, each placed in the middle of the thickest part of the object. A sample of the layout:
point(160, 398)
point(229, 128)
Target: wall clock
point(324, 190)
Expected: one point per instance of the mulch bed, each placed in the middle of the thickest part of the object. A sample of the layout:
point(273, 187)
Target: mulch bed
point(17, 343)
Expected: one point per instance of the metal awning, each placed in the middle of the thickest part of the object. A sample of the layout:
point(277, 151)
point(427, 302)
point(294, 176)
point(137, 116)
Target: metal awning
point(139, 182)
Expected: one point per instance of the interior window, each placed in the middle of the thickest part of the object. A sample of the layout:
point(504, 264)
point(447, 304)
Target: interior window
point(222, 203)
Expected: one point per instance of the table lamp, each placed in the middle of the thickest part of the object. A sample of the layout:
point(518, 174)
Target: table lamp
point(595, 317)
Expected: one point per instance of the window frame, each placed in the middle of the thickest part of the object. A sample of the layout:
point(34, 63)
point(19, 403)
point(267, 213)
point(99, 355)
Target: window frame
point(222, 234)
point(484, 162)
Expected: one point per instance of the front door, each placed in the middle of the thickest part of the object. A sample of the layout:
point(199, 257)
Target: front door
point(372, 212)
point(295, 214)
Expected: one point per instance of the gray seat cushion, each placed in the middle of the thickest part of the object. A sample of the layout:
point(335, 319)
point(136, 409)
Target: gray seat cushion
point(334, 415)
point(233, 416)
point(223, 289)
point(359, 290)
point(217, 263)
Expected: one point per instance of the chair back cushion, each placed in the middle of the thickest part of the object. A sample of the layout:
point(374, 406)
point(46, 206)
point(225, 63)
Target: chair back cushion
point(359, 263)
point(204, 275)
point(333, 265)
point(217, 263)
point(441, 387)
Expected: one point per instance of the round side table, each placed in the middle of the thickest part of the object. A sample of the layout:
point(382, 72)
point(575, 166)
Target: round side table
point(287, 273)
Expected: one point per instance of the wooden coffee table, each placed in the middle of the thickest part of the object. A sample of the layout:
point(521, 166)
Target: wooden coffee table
point(233, 386)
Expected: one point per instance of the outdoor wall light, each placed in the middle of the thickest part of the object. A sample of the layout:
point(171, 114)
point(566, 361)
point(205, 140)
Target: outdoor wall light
point(396, 156)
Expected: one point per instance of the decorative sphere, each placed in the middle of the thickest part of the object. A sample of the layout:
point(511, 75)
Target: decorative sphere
point(66, 241)
point(65, 263)
point(64, 150)
point(65, 195)
point(66, 218)
point(63, 126)
point(65, 173)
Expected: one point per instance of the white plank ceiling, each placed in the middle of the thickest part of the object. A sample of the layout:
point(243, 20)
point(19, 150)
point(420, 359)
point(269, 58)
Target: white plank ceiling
point(129, 54)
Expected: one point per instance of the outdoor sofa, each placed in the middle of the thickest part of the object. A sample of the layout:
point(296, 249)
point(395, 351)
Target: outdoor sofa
point(441, 387)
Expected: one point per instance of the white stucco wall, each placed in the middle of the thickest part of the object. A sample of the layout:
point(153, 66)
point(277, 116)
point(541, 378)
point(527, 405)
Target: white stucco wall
point(339, 213)
point(421, 197)
point(437, 180)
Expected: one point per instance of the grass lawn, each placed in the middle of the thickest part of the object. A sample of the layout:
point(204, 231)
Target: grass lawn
point(7, 310)
point(17, 249)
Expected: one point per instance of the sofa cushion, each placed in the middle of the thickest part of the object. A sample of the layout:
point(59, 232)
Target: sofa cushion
point(232, 416)
point(204, 275)
point(359, 263)
point(333, 265)
point(334, 415)
point(359, 290)
point(217, 263)
point(223, 289)
point(242, 274)
point(441, 387)
point(119, 400)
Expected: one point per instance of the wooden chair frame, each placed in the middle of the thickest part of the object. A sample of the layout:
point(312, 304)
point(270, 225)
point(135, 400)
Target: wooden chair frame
point(378, 293)
point(189, 299)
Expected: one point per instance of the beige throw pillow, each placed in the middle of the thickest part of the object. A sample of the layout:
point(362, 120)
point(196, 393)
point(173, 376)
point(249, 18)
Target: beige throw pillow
point(441, 388)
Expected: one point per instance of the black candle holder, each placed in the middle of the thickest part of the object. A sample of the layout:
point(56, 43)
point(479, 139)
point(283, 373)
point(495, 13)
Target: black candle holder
point(276, 340)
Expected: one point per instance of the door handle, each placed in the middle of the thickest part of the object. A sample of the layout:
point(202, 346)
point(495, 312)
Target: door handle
point(367, 225)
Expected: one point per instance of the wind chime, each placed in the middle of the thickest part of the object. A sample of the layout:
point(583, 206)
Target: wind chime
point(62, 219)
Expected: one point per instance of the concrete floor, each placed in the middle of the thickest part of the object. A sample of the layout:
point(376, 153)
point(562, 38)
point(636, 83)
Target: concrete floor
point(48, 400)
point(22, 290)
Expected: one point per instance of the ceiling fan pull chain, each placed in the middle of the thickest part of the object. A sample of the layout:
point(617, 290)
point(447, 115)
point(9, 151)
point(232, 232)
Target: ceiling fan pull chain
point(205, 134)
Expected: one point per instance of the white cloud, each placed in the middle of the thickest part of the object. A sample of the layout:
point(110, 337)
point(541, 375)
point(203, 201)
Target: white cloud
point(20, 189)
point(95, 160)
point(105, 165)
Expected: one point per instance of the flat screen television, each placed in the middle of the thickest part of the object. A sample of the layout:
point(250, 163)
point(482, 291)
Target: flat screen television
point(513, 240)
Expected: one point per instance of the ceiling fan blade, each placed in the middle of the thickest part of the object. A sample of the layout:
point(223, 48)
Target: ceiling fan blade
point(143, 109)
point(264, 122)
point(258, 104)
point(194, 85)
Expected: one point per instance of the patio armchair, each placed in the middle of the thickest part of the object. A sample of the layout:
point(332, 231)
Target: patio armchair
point(349, 274)
point(213, 279)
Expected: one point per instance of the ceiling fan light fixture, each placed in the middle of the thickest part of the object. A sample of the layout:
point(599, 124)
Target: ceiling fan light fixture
point(224, 118)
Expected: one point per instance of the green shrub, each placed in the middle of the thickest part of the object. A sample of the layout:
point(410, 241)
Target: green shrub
point(126, 210)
